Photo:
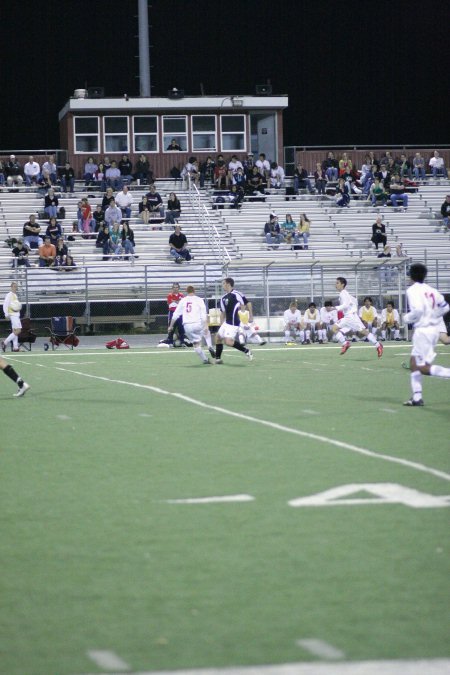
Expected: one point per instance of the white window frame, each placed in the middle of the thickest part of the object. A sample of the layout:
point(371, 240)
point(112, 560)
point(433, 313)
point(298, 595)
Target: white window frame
point(108, 134)
point(173, 135)
point(77, 135)
point(229, 133)
point(140, 133)
point(201, 133)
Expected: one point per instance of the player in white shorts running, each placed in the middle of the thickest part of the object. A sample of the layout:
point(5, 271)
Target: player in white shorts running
point(193, 312)
point(426, 308)
point(348, 305)
point(14, 316)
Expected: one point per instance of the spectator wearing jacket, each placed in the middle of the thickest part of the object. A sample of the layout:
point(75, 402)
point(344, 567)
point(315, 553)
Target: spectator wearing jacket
point(31, 233)
point(13, 172)
point(53, 231)
point(173, 211)
point(379, 233)
point(331, 167)
point(445, 213)
point(142, 171)
point(51, 204)
point(301, 180)
point(126, 169)
point(155, 203)
point(272, 231)
point(67, 178)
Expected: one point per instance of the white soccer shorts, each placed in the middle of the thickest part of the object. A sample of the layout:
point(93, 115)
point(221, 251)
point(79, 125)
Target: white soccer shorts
point(194, 331)
point(16, 324)
point(424, 341)
point(350, 322)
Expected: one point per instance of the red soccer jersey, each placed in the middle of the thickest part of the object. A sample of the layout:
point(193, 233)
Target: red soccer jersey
point(173, 299)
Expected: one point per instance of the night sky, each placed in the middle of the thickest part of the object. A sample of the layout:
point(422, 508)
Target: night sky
point(356, 72)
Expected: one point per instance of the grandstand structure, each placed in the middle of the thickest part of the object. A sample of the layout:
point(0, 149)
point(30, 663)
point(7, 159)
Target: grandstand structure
point(224, 241)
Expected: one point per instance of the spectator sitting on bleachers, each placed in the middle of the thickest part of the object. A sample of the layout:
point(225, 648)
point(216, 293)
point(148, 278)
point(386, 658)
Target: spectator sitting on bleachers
point(342, 195)
point(53, 231)
point(51, 203)
point(144, 210)
point(90, 168)
point(31, 233)
point(173, 211)
point(379, 233)
point(127, 240)
point(377, 193)
point(289, 229)
point(106, 201)
point(445, 213)
point(345, 164)
point(113, 213)
point(100, 176)
point(385, 270)
point(47, 253)
point(142, 172)
point(32, 171)
point(248, 164)
point(106, 162)
point(240, 179)
point(393, 166)
point(126, 169)
point(272, 231)
point(304, 231)
point(86, 224)
point(399, 252)
point(2, 174)
point(104, 241)
point(437, 165)
point(236, 196)
point(67, 178)
point(68, 264)
point(320, 179)
point(331, 167)
point(116, 238)
point(220, 174)
point(207, 171)
point(233, 165)
point(98, 217)
point(263, 165)
point(20, 255)
point(44, 183)
point(390, 320)
point(384, 176)
point(50, 166)
point(179, 246)
point(397, 191)
point(301, 180)
point(373, 160)
point(190, 171)
point(405, 167)
point(113, 176)
point(276, 178)
point(155, 203)
point(13, 172)
point(419, 166)
point(255, 183)
point(61, 252)
point(367, 179)
point(124, 200)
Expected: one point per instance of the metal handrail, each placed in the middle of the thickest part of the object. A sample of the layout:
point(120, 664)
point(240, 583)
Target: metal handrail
point(215, 242)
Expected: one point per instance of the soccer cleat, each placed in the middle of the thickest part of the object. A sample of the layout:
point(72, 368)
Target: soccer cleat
point(345, 347)
point(380, 351)
point(111, 345)
point(187, 343)
point(207, 362)
point(212, 351)
point(219, 361)
point(249, 355)
point(22, 390)
point(405, 365)
point(411, 402)
point(262, 343)
point(122, 344)
point(3, 346)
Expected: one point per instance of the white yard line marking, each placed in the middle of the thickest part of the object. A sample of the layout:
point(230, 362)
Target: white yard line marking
point(388, 410)
point(273, 425)
point(74, 363)
point(107, 660)
point(309, 412)
point(145, 415)
point(320, 648)
point(400, 667)
point(211, 500)
point(63, 417)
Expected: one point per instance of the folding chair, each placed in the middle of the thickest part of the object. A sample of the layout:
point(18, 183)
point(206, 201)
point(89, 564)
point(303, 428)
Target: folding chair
point(26, 336)
point(62, 331)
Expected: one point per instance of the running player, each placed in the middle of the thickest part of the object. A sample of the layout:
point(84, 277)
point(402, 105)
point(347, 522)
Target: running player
point(350, 321)
point(192, 312)
point(14, 316)
point(11, 373)
point(230, 304)
point(426, 308)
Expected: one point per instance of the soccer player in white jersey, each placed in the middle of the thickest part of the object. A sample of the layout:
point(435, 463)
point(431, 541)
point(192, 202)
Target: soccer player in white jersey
point(293, 327)
point(348, 305)
point(311, 319)
point(14, 316)
point(426, 308)
point(193, 312)
point(328, 317)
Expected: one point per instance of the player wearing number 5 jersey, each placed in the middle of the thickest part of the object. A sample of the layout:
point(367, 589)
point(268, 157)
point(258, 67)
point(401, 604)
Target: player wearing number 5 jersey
point(192, 310)
point(426, 308)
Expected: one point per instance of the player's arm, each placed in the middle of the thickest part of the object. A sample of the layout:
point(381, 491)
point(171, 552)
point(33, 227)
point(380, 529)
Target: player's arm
point(6, 305)
point(178, 312)
point(249, 308)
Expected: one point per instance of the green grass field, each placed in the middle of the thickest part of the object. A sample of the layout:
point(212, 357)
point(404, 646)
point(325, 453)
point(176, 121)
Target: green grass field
point(97, 554)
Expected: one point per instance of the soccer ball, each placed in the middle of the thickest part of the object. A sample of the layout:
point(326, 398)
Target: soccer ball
point(15, 306)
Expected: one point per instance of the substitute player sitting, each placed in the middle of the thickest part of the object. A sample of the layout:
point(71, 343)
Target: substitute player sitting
point(293, 324)
point(311, 319)
point(328, 317)
point(247, 330)
point(192, 311)
point(390, 321)
point(426, 308)
point(350, 321)
point(369, 315)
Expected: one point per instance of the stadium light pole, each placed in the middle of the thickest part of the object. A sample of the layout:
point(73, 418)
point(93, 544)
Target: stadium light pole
point(144, 52)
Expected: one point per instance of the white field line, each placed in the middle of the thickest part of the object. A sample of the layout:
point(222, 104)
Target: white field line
point(107, 660)
point(211, 500)
point(273, 425)
point(400, 667)
point(320, 648)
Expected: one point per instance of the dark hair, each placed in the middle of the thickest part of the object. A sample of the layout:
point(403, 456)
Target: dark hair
point(328, 303)
point(312, 304)
point(418, 272)
point(343, 281)
point(390, 302)
point(368, 298)
point(229, 280)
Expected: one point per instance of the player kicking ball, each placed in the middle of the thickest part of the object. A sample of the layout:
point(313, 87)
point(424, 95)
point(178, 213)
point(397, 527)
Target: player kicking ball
point(426, 308)
point(192, 311)
point(348, 305)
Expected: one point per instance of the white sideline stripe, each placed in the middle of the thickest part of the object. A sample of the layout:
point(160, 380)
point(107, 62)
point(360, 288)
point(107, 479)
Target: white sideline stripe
point(211, 500)
point(388, 410)
point(107, 660)
point(320, 648)
point(401, 667)
point(273, 425)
